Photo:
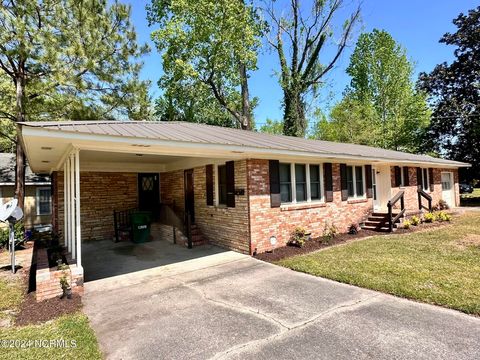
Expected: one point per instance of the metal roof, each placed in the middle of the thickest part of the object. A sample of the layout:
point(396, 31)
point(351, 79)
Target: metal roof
point(208, 134)
point(7, 172)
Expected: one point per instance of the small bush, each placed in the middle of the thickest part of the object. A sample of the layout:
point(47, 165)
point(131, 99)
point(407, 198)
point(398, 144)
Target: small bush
point(407, 224)
point(442, 205)
point(429, 217)
point(415, 220)
point(353, 229)
point(19, 230)
point(329, 232)
point(442, 216)
point(298, 237)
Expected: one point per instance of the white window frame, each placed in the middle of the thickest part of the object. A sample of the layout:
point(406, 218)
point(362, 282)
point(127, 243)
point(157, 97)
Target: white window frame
point(217, 186)
point(364, 182)
point(37, 200)
point(402, 176)
point(307, 179)
point(425, 177)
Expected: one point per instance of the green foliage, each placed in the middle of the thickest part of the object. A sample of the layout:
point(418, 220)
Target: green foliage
point(329, 232)
point(274, 127)
point(415, 220)
point(381, 107)
point(19, 231)
point(72, 60)
point(298, 237)
point(203, 45)
point(442, 216)
point(453, 93)
point(429, 217)
point(407, 224)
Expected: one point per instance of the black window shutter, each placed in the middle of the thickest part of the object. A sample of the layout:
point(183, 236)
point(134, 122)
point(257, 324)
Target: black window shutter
point(398, 176)
point(209, 184)
point(230, 169)
point(368, 173)
point(343, 181)
point(274, 171)
point(430, 177)
point(419, 177)
point(406, 177)
point(328, 179)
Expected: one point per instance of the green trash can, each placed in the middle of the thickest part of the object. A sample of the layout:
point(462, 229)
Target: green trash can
point(141, 226)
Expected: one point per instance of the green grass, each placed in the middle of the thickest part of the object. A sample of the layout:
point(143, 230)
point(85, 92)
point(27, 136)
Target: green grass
point(11, 293)
point(69, 328)
point(472, 199)
point(440, 266)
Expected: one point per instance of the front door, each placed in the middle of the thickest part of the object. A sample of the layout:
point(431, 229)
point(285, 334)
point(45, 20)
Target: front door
point(382, 188)
point(447, 189)
point(148, 192)
point(189, 195)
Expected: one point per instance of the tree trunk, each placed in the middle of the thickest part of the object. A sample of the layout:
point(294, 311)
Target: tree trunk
point(295, 123)
point(20, 155)
point(246, 123)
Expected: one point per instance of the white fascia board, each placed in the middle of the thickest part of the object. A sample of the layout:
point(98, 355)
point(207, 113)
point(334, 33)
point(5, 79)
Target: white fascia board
point(178, 148)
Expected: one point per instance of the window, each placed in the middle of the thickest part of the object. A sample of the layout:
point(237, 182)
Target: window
point(285, 183)
point(222, 184)
point(44, 201)
point(300, 183)
point(425, 179)
point(315, 189)
point(355, 182)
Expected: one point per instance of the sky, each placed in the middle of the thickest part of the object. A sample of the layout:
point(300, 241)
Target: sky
point(416, 25)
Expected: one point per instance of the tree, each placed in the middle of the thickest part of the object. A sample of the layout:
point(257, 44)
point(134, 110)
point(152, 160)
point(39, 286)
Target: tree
point(381, 106)
point(455, 97)
point(64, 57)
point(274, 127)
point(304, 34)
point(208, 44)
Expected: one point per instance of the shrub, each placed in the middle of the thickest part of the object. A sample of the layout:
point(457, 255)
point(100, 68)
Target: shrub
point(415, 220)
point(19, 231)
point(442, 216)
point(353, 229)
point(406, 224)
point(329, 232)
point(429, 217)
point(298, 237)
point(442, 205)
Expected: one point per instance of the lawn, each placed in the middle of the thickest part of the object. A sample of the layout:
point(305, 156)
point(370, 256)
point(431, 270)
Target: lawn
point(472, 199)
point(74, 329)
point(440, 266)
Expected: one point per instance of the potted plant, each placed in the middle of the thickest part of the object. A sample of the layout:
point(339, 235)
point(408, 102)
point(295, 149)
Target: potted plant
point(66, 288)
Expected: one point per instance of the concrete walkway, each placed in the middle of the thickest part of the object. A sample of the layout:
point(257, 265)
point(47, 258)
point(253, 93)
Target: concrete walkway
point(233, 306)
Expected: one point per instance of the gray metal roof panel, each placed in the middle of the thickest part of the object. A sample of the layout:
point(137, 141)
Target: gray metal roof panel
point(207, 134)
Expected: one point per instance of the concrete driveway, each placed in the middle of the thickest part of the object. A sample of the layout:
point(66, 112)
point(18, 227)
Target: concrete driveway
point(233, 306)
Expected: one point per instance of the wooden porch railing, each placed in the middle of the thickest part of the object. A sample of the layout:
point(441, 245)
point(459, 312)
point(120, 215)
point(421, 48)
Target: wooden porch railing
point(391, 203)
point(423, 194)
point(177, 219)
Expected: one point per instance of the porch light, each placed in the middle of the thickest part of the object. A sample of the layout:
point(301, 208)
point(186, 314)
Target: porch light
point(46, 148)
point(45, 161)
point(139, 154)
point(273, 240)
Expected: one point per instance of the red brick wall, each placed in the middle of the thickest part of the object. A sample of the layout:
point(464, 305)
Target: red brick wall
point(266, 221)
point(411, 196)
point(222, 226)
point(100, 194)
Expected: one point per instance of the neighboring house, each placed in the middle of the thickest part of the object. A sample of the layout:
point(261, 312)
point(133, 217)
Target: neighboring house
point(38, 200)
point(240, 187)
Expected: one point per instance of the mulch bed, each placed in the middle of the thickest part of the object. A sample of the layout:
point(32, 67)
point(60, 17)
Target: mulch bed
point(33, 312)
point(317, 244)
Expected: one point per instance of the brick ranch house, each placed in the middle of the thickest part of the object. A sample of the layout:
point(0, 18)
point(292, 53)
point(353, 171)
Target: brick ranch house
point(239, 188)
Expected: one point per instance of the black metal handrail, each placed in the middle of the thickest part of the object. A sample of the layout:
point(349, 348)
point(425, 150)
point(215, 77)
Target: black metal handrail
point(391, 203)
point(177, 219)
point(422, 194)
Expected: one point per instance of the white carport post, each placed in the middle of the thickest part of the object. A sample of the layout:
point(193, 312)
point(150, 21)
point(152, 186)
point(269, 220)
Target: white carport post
point(72, 205)
point(78, 235)
point(66, 204)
